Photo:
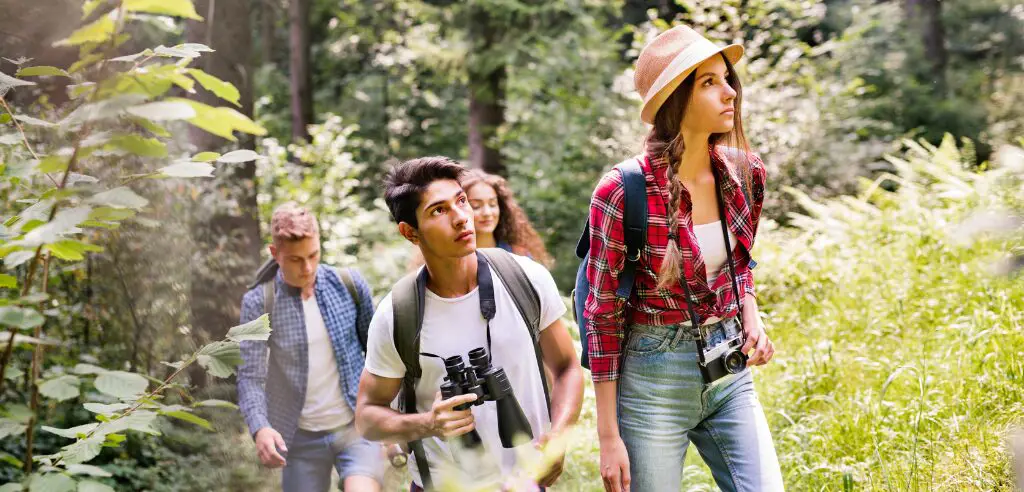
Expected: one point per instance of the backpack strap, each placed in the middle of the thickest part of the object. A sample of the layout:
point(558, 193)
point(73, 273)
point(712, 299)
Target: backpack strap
point(408, 320)
point(526, 299)
point(634, 222)
point(268, 298)
point(345, 274)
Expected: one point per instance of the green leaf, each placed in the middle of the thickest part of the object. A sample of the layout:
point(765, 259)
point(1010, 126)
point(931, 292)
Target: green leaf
point(28, 120)
point(188, 170)
point(121, 384)
point(188, 417)
point(111, 214)
point(18, 339)
point(164, 111)
point(222, 122)
point(91, 486)
point(72, 250)
point(13, 373)
point(200, 157)
point(215, 404)
point(16, 258)
point(41, 71)
point(20, 318)
point(105, 409)
point(72, 433)
point(176, 8)
point(93, 471)
point(237, 156)
point(65, 222)
point(139, 420)
point(15, 462)
point(99, 31)
point(53, 164)
point(7, 82)
point(220, 88)
point(145, 147)
point(220, 358)
point(52, 482)
point(8, 281)
point(89, 6)
point(10, 427)
point(61, 389)
point(83, 369)
point(120, 197)
point(83, 450)
point(257, 329)
point(115, 438)
point(109, 108)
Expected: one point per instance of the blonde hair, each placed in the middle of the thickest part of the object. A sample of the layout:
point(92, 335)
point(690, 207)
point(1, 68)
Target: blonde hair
point(290, 222)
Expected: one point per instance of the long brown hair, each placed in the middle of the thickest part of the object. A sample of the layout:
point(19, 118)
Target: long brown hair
point(513, 226)
point(666, 141)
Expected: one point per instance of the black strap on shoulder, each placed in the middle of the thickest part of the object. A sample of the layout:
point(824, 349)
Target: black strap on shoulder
point(268, 298)
point(407, 306)
point(634, 222)
point(526, 299)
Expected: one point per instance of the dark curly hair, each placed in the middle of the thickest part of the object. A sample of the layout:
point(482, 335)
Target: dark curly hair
point(513, 226)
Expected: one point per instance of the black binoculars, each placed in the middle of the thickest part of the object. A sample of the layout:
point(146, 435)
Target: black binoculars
point(488, 384)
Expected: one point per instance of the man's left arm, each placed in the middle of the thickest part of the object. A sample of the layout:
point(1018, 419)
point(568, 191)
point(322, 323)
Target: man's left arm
point(566, 389)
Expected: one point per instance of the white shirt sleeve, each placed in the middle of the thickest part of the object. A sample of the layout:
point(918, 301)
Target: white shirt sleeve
point(551, 305)
point(382, 357)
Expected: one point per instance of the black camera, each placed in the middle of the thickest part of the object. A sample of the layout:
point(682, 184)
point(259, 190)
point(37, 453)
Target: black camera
point(488, 384)
point(723, 359)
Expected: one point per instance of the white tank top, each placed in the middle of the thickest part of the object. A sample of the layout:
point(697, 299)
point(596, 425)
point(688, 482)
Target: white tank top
point(712, 246)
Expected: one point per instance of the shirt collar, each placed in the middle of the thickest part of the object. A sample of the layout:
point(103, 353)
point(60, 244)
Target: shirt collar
point(659, 165)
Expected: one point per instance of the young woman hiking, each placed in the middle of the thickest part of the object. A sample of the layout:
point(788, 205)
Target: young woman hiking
point(499, 221)
point(666, 359)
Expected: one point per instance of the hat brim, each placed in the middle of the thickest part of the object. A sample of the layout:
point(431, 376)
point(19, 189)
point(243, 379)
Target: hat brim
point(681, 67)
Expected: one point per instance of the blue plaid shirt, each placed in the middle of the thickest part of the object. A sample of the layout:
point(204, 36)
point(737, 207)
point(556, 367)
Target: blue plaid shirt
point(272, 389)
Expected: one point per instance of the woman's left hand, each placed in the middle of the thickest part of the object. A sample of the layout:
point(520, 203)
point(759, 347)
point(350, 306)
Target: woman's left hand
point(758, 348)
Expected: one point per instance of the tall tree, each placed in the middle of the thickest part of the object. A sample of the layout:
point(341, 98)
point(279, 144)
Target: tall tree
point(301, 85)
point(925, 17)
point(225, 224)
point(487, 76)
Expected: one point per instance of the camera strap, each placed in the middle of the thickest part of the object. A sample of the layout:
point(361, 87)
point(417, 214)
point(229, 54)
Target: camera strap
point(691, 301)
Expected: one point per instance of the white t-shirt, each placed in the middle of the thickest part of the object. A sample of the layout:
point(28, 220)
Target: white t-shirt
point(454, 327)
point(712, 249)
point(324, 408)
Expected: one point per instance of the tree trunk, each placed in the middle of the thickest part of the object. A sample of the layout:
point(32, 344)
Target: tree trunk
point(486, 95)
point(226, 226)
point(925, 16)
point(268, 13)
point(302, 96)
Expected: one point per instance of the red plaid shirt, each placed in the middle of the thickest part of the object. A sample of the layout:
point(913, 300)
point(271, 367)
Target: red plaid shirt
point(607, 314)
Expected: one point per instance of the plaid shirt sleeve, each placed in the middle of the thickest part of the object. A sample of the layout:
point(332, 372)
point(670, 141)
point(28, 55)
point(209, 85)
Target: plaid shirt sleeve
point(603, 310)
point(759, 178)
point(365, 313)
point(252, 374)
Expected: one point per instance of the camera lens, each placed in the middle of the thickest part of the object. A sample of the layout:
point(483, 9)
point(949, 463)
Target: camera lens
point(734, 361)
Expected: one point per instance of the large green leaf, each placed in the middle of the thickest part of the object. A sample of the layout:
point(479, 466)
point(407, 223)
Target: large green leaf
point(31, 121)
point(72, 250)
point(200, 157)
point(111, 214)
point(220, 88)
point(176, 8)
point(10, 427)
point(7, 82)
point(238, 156)
point(139, 420)
point(83, 450)
point(65, 222)
point(100, 30)
point(145, 147)
point(72, 433)
point(188, 169)
point(92, 471)
point(120, 197)
point(61, 388)
point(164, 111)
point(52, 482)
point(105, 409)
point(8, 281)
point(12, 486)
point(188, 417)
point(212, 403)
point(41, 71)
point(91, 486)
point(220, 358)
point(82, 369)
point(222, 122)
point(13, 461)
point(109, 108)
point(121, 384)
point(21, 318)
point(257, 329)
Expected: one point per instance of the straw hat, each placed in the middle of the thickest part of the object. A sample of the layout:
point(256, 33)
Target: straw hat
point(668, 60)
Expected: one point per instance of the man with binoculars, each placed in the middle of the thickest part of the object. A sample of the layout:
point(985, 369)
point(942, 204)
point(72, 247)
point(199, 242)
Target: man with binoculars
point(466, 423)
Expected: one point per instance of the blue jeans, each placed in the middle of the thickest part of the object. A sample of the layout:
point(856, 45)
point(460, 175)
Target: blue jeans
point(664, 405)
point(312, 455)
